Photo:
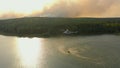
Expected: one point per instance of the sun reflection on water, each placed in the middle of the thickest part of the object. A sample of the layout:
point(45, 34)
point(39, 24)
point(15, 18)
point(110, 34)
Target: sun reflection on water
point(29, 51)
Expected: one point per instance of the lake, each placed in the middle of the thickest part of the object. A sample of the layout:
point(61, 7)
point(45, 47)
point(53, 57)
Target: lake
point(100, 51)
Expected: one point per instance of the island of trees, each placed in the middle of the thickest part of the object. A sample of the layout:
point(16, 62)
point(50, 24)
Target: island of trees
point(45, 26)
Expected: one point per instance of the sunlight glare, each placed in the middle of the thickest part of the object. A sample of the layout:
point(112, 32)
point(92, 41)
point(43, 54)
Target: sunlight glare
point(29, 51)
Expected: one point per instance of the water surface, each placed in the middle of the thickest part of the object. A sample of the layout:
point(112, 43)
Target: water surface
point(100, 51)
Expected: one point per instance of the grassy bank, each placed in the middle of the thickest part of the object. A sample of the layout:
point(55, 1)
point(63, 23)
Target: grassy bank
point(44, 27)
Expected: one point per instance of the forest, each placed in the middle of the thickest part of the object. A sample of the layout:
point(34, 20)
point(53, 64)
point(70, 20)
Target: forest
point(46, 26)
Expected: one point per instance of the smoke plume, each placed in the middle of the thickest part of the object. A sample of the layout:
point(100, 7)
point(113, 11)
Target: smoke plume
point(83, 8)
point(76, 8)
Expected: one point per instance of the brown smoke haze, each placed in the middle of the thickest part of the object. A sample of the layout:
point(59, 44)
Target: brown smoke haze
point(83, 8)
point(11, 15)
point(76, 8)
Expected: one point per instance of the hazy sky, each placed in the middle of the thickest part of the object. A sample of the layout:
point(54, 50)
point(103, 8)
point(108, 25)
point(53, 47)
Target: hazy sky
point(59, 8)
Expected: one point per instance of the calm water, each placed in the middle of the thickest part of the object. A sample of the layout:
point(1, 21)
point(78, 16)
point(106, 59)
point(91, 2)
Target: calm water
point(64, 52)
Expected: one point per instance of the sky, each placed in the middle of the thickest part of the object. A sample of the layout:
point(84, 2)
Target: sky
point(59, 8)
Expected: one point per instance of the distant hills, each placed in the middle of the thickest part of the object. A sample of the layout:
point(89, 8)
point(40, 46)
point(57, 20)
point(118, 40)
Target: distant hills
point(46, 27)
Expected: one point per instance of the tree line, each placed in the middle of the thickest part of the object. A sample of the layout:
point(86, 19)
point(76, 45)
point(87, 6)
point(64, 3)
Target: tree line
point(56, 26)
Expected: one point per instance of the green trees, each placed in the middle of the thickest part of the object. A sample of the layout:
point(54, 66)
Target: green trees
point(56, 26)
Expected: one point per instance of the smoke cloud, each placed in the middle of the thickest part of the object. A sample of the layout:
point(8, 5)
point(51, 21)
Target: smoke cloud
point(83, 8)
point(11, 15)
point(76, 8)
